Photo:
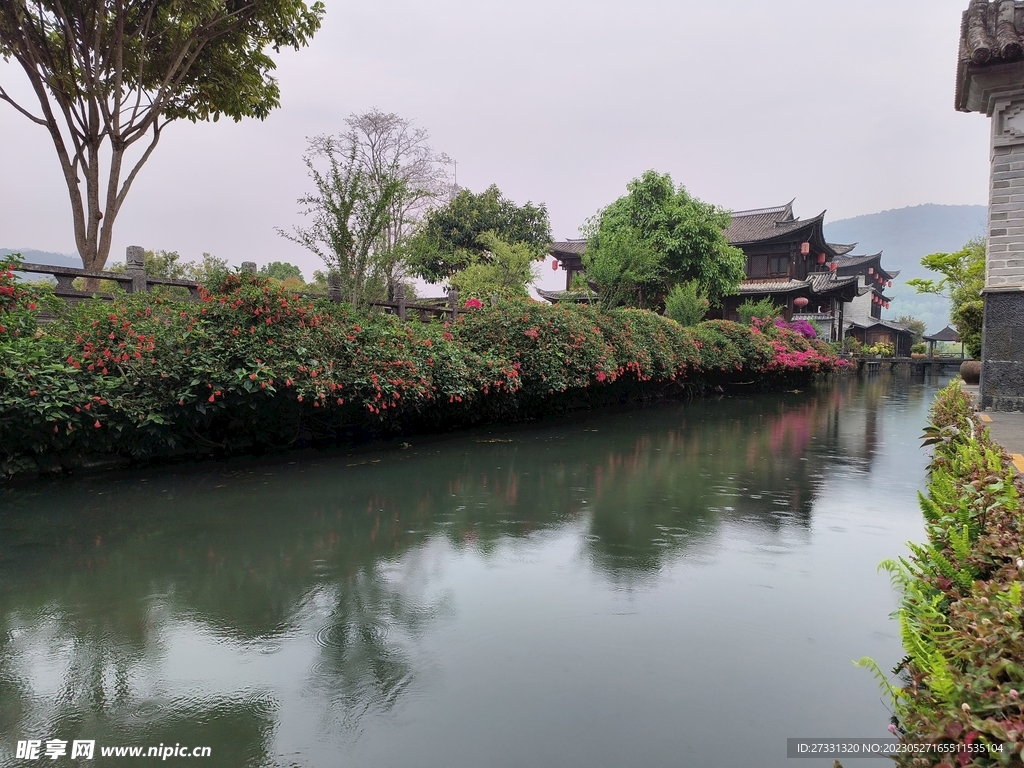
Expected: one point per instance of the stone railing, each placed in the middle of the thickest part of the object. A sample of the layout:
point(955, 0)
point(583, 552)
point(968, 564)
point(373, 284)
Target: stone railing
point(135, 280)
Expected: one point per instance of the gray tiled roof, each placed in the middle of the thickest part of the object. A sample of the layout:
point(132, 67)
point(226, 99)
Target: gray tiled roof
point(772, 286)
point(842, 250)
point(990, 34)
point(824, 282)
point(574, 296)
point(887, 323)
point(572, 247)
point(766, 224)
point(946, 334)
point(817, 282)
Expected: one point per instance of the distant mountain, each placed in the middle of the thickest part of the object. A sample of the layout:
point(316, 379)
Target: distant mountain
point(904, 235)
point(44, 257)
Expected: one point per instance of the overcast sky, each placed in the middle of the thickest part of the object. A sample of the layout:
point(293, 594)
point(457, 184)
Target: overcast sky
point(844, 106)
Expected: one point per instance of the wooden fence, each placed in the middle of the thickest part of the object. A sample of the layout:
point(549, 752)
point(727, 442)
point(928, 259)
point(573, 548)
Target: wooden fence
point(135, 280)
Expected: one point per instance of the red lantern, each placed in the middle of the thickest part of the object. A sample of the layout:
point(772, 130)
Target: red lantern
point(890, 283)
point(833, 266)
point(805, 249)
point(800, 302)
point(554, 265)
point(871, 270)
point(821, 258)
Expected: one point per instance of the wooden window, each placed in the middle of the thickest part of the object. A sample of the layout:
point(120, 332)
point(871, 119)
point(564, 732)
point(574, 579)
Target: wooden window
point(757, 265)
point(778, 265)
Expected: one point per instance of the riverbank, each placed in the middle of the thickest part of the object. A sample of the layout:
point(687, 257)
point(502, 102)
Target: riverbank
point(251, 369)
point(961, 612)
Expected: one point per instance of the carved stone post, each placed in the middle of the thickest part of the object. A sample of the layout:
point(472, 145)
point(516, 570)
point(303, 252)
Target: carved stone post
point(453, 300)
point(334, 287)
point(990, 80)
point(400, 298)
point(135, 260)
point(249, 267)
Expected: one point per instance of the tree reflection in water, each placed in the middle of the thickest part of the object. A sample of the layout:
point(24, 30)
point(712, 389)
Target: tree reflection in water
point(97, 575)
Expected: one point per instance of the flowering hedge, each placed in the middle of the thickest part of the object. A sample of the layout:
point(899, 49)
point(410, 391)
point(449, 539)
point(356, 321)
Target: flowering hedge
point(250, 367)
point(962, 608)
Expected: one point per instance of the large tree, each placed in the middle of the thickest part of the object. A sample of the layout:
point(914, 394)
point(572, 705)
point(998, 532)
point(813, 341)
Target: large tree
point(108, 75)
point(963, 278)
point(656, 236)
point(393, 153)
point(349, 212)
point(449, 240)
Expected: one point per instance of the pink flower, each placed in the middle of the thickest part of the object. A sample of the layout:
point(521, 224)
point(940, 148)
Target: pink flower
point(473, 304)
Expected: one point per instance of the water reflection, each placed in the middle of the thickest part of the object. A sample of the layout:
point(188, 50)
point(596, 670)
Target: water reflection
point(138, 610)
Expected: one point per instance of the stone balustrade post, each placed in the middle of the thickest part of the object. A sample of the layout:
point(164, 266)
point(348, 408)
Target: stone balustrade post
point(249, 267)
point(334, 287)
point(400, 298)
point(135, 262)
point(453, 300)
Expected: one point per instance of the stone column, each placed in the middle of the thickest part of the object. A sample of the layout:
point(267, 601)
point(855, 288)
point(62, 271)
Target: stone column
point(135, 262)
point(1002, 353)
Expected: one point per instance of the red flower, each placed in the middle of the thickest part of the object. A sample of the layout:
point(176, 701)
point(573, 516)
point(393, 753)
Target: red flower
point(97, 424)
point(473, 304)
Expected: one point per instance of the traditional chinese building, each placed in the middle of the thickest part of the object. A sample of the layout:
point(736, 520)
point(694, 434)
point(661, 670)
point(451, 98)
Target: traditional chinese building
point(788, 261)
point(872, 281)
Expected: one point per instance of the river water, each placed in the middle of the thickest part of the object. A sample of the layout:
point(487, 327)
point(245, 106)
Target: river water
point(684, 585)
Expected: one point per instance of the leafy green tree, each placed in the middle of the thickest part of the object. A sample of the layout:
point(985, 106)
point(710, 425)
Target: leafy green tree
point(281, 270)
point(686, 304)
point(915, 326)
point(110, 75)
point(449, 239)
point(963, 279)
point(506, 272)
point(350, 212)
point(209, 270)
point(658, 235)
point(392, 149)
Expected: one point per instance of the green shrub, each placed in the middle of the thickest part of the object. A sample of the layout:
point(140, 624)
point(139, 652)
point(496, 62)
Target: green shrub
point(686, 304)
point(762, 310)
point(252, 367)
point(919, 349)
point(961, 608)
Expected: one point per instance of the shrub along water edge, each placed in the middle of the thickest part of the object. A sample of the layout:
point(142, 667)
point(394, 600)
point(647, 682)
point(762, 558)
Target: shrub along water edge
point(253, 368)
point(960, 684)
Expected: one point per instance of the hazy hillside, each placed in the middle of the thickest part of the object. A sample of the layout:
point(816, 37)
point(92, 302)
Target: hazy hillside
point(45, 257)
point(904, 235)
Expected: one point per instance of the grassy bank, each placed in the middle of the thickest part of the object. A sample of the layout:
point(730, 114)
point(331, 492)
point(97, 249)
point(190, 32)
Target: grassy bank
point(960, 619)
point(251, 368)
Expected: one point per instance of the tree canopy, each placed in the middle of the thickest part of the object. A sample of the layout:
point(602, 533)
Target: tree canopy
point(506, 272)
point(658, 235)
point(109, 75)
point(963, 279)
point(281, 270)
point(449, 239)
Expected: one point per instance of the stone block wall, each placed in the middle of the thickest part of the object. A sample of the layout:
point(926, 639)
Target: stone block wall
point(1005, 267)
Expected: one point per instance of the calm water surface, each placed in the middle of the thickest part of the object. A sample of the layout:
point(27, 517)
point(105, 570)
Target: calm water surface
point(679, 586)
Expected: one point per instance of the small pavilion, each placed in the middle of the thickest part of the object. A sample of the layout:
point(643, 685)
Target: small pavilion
point(946, 334)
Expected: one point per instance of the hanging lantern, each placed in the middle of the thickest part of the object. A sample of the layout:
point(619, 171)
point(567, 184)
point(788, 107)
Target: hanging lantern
point(890, 283)
point(833, 266)
point(821, 258)
point(805, 249)
point(554, 265)
point(800, 302)
point(871, 270)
